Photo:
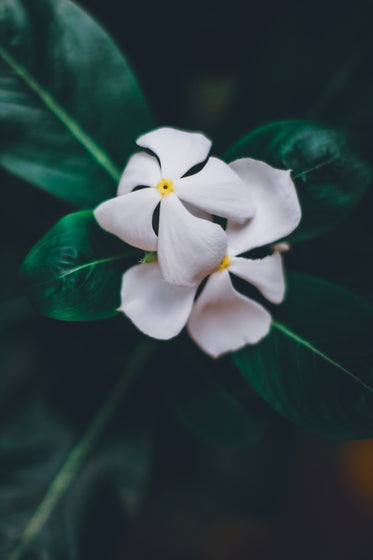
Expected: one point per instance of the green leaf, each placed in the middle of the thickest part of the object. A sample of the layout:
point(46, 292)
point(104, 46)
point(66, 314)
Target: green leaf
point(74, 272)
point(101, 498)
point(329, 176)
point(202, 401)
point(70, 106)
point(315, 367)
point(126, 464)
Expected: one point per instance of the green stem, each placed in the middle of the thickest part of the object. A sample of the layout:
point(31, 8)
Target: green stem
point(80, 452)
point(91, 146)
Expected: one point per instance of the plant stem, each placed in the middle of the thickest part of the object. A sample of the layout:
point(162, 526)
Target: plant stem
point(80, 452)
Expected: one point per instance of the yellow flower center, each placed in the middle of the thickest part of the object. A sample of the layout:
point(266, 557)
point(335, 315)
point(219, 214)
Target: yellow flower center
point(224, 263)
point(165, 186)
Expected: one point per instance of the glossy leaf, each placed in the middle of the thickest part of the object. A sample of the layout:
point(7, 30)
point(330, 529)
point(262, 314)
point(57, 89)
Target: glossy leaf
point(74, 272)
point(70, 106)
point(329, 176)
point(316, 366)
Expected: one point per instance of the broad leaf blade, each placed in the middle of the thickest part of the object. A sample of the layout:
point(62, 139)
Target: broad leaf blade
point(70, 106)
point(74, 272)
point(316, 367)
point(330, 177)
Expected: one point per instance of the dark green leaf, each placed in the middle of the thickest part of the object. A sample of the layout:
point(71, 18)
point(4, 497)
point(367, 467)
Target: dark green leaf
point(330, 178)
point(108, 493)
point(30, 457)
point(64, 495)
point(70, 106)
point(95, 511)
point(74, 272)
point(315, 367)
point(202, 401)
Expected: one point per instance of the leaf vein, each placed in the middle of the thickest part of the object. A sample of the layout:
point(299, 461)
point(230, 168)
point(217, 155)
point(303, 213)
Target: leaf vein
point(314, 168)
point(300, 340)
point(76, 130)
point(86, 265)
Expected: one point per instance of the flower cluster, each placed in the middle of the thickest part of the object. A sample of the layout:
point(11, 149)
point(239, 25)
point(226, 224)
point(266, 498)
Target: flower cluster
point(176, 177)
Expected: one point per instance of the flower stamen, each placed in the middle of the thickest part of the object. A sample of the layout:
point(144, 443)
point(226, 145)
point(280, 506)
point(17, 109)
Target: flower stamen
point(224, 263)
point(165, 186)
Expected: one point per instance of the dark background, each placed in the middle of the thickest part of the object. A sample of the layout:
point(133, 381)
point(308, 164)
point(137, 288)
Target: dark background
point(279, 59)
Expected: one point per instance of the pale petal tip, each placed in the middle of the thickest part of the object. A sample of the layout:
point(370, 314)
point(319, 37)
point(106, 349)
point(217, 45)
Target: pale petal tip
point(177, 150)
point(156, 308)
point(166, 130)
point(217, 353)
point(278, 298)
point(297, 205)
point(223, 320)
point(145, 329)
point(100, 214)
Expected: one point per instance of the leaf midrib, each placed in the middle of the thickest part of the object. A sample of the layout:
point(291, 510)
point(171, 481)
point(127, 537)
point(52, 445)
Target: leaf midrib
point(303, 342)
point(97, 153)
point(314, 168)
point(86, 265)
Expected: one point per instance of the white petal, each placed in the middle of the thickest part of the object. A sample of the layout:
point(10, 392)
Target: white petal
point(178, 151)
point(142, 169)
point(156, 308)
point(189, 248)
point(129, 217)
point(266, 274)
point(219, 190)
point(198, 212)
point(277, 207)
point(223, 320)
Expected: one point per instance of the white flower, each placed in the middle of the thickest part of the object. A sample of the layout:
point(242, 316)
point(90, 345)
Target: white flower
point(189, 244)
point(221, 319)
